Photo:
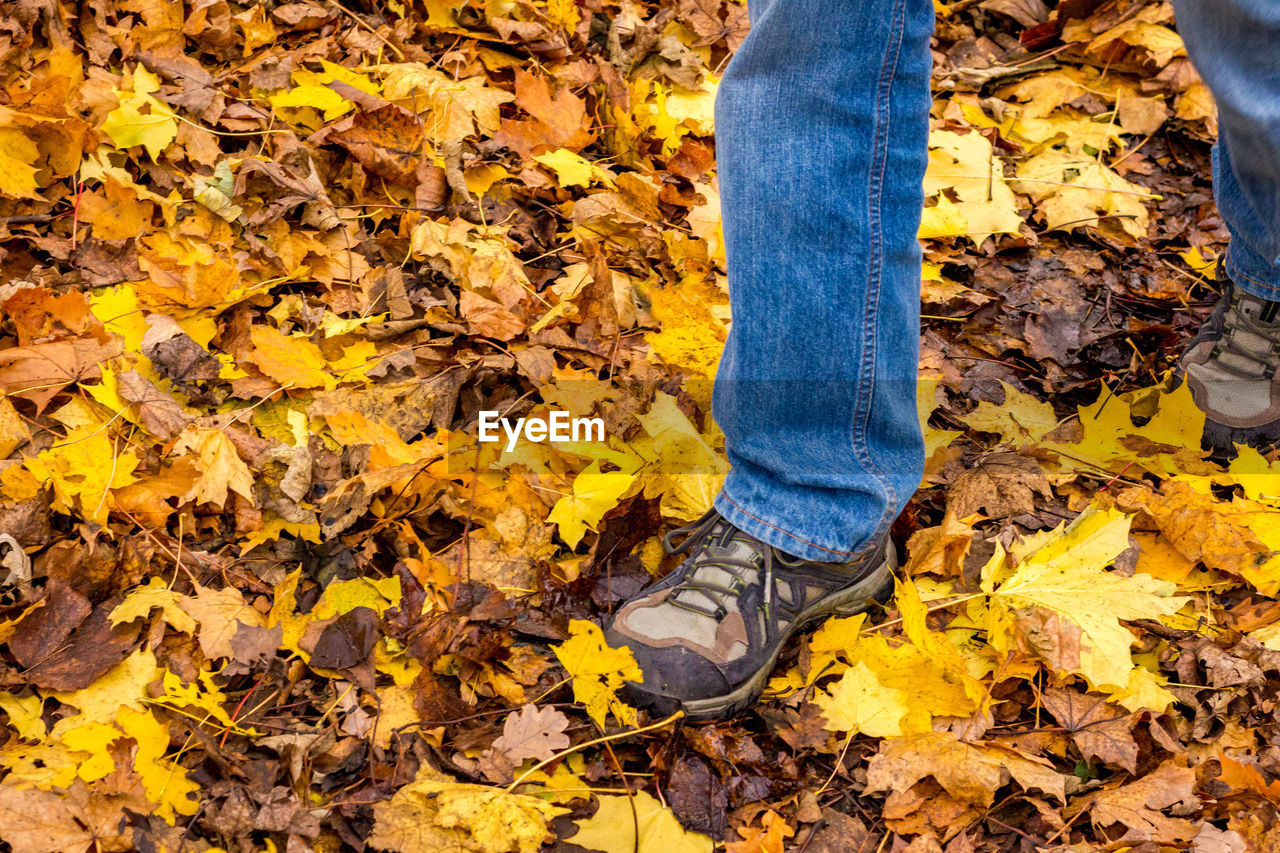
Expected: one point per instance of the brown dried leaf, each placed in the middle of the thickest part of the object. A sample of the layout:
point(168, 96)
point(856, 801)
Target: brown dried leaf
point(1140, 806)
point(533, 733)
point(40, 372)
point(1005, 484)
point(1100, 730)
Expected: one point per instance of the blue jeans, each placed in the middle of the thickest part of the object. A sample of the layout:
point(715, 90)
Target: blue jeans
point(1235, 45)
point(821, 136)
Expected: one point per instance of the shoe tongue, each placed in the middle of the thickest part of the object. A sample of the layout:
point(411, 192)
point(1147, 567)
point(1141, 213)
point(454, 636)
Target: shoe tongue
point(726, 541)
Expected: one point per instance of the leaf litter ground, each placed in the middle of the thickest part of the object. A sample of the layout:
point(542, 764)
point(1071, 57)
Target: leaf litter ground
point(264, 264)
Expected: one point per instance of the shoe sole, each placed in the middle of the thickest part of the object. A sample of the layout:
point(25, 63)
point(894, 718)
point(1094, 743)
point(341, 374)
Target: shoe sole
point(874, 588)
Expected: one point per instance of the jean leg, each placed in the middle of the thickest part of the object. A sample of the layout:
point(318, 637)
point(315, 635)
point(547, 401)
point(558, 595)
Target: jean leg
point(821, 134)
point(1235, 45)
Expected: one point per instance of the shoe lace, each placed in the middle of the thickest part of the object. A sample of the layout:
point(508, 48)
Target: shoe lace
point(1237, 321)
point(697, 544)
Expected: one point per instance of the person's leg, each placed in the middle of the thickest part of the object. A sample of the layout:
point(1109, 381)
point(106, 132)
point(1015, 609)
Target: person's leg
point(821, 146)
point(1231, 366)
point(1235, 45)
point(821, 133)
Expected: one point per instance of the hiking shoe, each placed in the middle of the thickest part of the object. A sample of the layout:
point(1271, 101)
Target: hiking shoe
point(1231, 368)
point(707, 635)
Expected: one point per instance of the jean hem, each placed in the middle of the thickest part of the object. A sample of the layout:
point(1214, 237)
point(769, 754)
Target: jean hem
point(773, 534)
point(1250, 282)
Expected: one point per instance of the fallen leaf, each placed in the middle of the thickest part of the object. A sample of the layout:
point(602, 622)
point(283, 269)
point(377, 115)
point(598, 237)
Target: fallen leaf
point(650, 828)
point(532, 733)
point(429, 815)
point(1099, 729)
point(598, 671)
point(1140, 806)
point(859, 703)
point(1061, 574)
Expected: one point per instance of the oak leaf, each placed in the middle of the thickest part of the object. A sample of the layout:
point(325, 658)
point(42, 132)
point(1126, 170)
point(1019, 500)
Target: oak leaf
point(533, 733)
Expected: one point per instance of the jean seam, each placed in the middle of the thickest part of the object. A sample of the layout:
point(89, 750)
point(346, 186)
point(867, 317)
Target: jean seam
point(788, 534)
point(875, 271)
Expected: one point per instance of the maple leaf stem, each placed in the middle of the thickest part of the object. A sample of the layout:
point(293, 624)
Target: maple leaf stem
point(839, 763)
point(940, 606)
point(594, 742)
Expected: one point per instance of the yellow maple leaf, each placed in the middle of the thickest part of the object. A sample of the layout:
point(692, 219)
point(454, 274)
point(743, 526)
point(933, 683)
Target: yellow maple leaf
point(204, 695)
point(858, 702)
point(927, 672)
point(282, 613)
point(1201, 259)
point(1066, 607)
point(563, 13)
point(18, 155)
point(684, 469)
point(594, 494)
point(88, 737)
point(650, 828)
point(1019, 419)
point(1075, 190)
point(379, 595)
point(965, 166)
point(83, 470)
point(24, 715)
point(139, 603)
point(926, 403)
point(165, 782)
point(675, 112)
point(13, 429)
point(454, 108)
point(220, 466)
point(1146, 691)
point(273, 527)
point(311, 90)
point(692, 336)
point(433, 814)
point(598, 671)
point(123, 686)
point(574, 170)
point(291, 360)
point(128, 125)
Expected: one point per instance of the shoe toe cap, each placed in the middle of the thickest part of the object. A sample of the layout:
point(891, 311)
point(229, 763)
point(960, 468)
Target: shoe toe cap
point(672, 674)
